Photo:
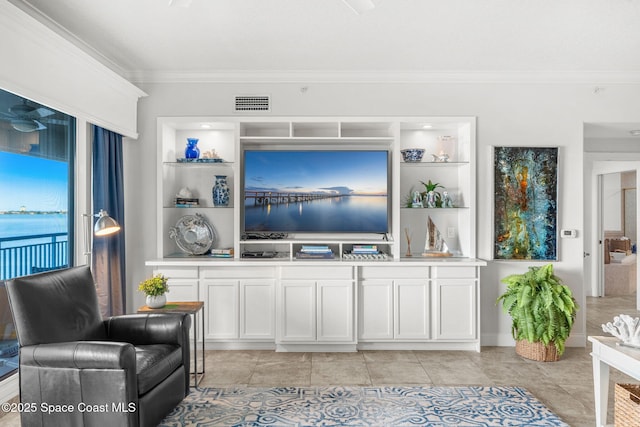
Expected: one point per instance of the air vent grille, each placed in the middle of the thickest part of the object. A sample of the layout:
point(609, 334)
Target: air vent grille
point(251, 103)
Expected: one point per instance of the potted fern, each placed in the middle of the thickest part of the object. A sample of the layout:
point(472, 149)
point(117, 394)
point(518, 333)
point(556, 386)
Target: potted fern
point(155, 289)
point(542, 310)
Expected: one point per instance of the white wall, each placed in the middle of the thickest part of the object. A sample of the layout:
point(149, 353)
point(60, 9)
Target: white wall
point(611, 202)
point(536, 114)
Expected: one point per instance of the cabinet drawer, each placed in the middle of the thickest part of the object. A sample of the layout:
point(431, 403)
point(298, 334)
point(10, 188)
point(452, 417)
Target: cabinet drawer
point(454, 272)
point(388, 272)
point(254, 272)
point(315, 273)
point(178, 272)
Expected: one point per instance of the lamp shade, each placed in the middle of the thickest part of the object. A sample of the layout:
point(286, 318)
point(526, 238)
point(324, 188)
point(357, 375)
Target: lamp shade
point(105, 225)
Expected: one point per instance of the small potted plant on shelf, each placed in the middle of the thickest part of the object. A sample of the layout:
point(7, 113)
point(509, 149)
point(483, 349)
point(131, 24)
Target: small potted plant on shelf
point(542, 310)
point(155, 289)
point(432, 197)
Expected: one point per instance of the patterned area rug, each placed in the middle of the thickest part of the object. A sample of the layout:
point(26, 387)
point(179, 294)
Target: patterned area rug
point(362, 406)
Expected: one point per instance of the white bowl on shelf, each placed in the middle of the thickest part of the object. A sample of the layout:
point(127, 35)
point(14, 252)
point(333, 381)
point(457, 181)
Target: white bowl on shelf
point(412, 155)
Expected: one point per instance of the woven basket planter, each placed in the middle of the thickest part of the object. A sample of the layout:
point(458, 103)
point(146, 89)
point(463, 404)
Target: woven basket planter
point(537, 351)
point(627, 405)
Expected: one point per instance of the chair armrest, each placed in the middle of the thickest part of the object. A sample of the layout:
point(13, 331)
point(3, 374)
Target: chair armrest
point(154, 328)
point(80, 355)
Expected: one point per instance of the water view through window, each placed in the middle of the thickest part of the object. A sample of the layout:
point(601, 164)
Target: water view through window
point(36, 169)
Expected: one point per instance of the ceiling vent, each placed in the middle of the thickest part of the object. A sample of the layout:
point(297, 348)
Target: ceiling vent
point(252, 103)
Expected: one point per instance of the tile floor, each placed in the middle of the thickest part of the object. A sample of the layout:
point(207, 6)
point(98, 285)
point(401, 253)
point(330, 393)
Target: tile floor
point(566, 386)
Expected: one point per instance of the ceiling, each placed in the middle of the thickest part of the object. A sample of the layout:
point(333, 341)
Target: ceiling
point(145, 39)
point(297, 40)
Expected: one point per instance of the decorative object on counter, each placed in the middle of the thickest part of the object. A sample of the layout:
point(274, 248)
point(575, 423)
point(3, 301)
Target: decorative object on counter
point(525, 203)
point(220, 191)
point(442, 157)
point(625, 328)
point(184, 199)
point(155, 289)
point(416, 200)
point(193, 234)
point(184, 193)
point(542, 310)
point(192, 151)
point(200, 160)
point(412, 155)
point(408, 236)
point(435, 199)
point(446, 200)
point(435, 246)
point(211, 155)
point(431, 199)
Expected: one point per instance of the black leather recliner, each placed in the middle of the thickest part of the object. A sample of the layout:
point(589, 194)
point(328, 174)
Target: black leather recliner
point(77, 369)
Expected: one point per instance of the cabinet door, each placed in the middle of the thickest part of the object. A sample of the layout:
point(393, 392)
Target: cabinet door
point(257, 315)
point(183, 283)
point(297, 311)
point(376, 309)
point(335, 310)
point(455, 308)
point(221, 308)
point(411, 309)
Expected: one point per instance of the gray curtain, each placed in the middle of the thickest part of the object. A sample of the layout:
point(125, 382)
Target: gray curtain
point(108, 253)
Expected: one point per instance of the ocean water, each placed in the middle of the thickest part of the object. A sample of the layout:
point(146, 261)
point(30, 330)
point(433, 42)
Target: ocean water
point(13, 225)
point(17, 262)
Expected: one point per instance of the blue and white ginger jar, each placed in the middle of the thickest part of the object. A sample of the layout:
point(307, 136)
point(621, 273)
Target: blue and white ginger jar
point(221, 191)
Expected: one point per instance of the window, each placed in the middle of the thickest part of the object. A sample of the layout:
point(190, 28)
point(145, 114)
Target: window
point(36, 200)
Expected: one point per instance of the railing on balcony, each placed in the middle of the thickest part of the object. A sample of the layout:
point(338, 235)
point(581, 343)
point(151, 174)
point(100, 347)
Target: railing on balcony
point(20, 256)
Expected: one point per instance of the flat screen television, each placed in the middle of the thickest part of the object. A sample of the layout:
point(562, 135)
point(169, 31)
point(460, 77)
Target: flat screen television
point(316, 191)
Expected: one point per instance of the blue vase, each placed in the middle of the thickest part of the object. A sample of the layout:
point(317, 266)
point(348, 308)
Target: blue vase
point(192, 151)
point(221, 191)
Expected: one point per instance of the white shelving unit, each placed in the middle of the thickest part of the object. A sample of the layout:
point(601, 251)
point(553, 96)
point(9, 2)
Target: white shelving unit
point(398, 302)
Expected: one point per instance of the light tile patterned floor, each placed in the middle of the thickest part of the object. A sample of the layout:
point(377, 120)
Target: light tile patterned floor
point(565, 387)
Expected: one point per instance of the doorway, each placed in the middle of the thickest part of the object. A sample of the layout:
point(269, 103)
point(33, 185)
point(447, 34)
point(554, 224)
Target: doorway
point(620, 239)
point(615, 207)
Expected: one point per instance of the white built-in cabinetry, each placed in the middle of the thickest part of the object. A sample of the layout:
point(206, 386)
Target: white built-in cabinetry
point(341, 304)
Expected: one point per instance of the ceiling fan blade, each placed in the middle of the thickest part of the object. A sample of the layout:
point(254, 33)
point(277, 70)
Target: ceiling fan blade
point(42, 112)
point(360, 6)
point(7, 115)
point(40, 125)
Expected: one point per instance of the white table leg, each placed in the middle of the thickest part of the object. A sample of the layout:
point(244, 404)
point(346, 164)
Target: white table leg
point(601, 390)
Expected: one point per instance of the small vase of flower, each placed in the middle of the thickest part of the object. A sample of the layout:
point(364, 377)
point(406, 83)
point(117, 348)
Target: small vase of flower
point(155, 289)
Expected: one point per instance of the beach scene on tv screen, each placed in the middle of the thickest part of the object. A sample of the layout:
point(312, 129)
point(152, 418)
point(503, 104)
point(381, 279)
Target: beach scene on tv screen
point(316, 191)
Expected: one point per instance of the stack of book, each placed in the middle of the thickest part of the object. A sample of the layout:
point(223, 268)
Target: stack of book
point(222, 253)
point(315, 252)
point(187, 202)
point(364, 249)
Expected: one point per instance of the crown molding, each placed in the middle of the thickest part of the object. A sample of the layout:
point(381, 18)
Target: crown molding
point(283, 76)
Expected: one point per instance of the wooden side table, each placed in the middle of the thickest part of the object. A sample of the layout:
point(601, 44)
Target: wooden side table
point(190, 307)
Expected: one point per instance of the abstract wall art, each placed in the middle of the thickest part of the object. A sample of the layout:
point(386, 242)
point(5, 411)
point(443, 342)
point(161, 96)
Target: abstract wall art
point(526, 203)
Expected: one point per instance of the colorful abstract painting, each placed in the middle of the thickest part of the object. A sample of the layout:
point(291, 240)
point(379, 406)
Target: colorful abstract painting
point(526, 203)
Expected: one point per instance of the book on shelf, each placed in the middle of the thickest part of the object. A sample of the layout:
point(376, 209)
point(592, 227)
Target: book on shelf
point(314, 255)
point(365, 249)
point(320, 249)
point(222, 253)
point(187, 202)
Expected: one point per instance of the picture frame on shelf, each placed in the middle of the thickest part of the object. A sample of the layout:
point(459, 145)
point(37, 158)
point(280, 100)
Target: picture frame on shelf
point(525, 203)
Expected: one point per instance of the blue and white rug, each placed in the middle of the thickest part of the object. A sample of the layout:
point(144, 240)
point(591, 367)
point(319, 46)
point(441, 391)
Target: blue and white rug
point(362, 406)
